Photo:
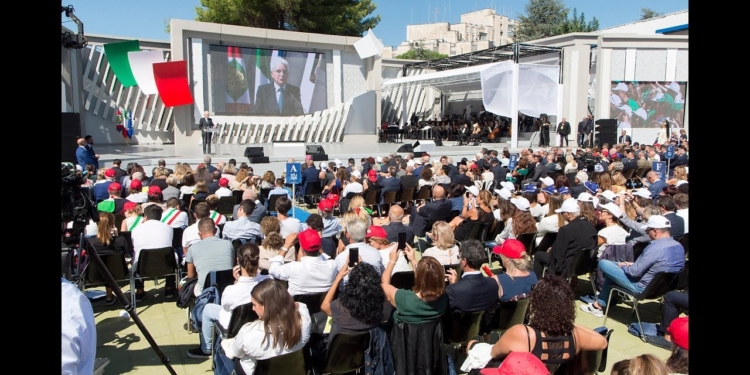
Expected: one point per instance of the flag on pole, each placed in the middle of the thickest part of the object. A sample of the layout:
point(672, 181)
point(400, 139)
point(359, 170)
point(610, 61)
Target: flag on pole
point(238, 92)
point(129, 125)
point(120, 124)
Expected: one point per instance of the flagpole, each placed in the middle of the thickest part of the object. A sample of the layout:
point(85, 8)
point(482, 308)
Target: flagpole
point(294, 199)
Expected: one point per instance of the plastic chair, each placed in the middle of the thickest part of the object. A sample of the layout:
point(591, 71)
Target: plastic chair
point(287, 364)
point(226, 206)
point(459, 328)
point(546, 242)
point(403, 280)
point(154, 263)
point(509, 314)
point(272, 203)
point(528, 240)
point(237, 194)
point(662, 283)
point(584, 262)
point(240, 316)
point(313, 301)
point(346, 353)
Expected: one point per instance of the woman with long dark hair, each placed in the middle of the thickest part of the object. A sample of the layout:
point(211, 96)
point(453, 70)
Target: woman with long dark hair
point(107, 242)
point(283, 327)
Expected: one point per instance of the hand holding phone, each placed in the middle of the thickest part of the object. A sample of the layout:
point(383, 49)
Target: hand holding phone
point(402, 241)
point(353, 256)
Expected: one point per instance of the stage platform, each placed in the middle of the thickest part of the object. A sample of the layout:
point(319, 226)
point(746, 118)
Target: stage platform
point(148, 155)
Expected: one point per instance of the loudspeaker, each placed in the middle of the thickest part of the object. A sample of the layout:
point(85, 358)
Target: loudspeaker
point(416, 144)
point(70, 130)
point(438, 142)
point(426, 145)
point(320, 157)
point(605, 131)
point(405, 148)
point(314, 150)
point(257, 159)
point(418, 154)
point(253, 152)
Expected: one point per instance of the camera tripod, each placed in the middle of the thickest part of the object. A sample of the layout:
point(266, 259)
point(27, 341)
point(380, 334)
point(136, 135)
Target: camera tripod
point(78, 279)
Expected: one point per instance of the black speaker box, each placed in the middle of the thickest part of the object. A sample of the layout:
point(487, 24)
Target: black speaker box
point(253, 152)
point(315, 150)
point(438, 142)
point(418, 154)
point(258, 159)
point(70, 130)
point(319, 157)
point(406, 148)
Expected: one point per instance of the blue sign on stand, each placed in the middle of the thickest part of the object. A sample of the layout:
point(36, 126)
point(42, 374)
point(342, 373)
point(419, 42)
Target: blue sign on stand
point(293, 173)
point(513, 161)
point(670, 152)
point(660, 168)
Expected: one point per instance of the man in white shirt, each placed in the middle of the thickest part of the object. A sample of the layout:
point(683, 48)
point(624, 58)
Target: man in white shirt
point(242, 227)
point(78, 331)
point(681, 202)
point(173, 216)
point(356, 231)
point(288, 224)
point(190, 235)
point(223, 190)
point(152, 234)
point(313, 273)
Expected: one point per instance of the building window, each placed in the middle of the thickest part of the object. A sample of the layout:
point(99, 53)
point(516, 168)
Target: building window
point(482, 36)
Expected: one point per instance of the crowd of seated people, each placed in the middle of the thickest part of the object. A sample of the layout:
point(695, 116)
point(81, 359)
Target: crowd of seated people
point(279, 258)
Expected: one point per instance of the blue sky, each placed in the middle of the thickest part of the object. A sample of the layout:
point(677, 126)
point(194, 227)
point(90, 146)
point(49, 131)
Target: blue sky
point(144, 19)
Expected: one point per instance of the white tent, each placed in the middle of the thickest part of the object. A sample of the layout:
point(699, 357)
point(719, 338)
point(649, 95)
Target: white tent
point(507, 88)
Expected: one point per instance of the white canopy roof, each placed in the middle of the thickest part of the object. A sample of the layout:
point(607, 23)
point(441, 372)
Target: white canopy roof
point(453, 80)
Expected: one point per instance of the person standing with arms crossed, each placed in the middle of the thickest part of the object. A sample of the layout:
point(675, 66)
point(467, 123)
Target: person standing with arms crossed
point(204, 124)
point(563, 128)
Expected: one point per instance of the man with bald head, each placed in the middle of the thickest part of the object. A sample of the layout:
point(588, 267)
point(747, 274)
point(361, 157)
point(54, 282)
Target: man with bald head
point(396, 225)
point(437, 210)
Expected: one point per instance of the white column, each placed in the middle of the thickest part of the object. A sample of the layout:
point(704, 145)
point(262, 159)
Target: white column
point(671, 71)
point(560, 114)
point(197, 70)
point(337, 89)
point(403, 106)
point(630, 64)
point(514, 108)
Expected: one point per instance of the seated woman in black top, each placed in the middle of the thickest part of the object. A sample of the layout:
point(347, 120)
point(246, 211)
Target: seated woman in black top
point(107, 242)
point(551, 334)
point(479, 212)
point(360, 306)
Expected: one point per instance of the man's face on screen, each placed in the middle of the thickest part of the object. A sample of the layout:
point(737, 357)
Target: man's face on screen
point(280, 74)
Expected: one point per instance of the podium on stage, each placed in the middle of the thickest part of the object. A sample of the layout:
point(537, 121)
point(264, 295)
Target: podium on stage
point(216, 147)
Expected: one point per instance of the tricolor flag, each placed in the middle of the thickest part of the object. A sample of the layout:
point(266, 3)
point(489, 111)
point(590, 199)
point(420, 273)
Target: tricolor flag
point(262, 68)
point(149, 71)
point(238, 92)
point(120, 124)
point(129, 125)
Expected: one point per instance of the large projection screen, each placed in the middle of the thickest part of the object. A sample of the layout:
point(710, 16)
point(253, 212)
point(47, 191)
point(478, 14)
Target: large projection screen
point(264, 82)
point(648, 105)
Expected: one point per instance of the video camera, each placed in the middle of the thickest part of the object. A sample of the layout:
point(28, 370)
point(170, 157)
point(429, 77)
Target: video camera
point(76, 204)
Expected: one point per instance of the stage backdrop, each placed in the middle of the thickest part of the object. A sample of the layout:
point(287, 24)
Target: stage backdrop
point(647, 105)
point(238, 76)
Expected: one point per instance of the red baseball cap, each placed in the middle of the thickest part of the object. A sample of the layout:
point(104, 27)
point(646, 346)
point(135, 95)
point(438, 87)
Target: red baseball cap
point(136, 184)
point(679, 331)
point(223, 181)
point(518, 363)
point(153, 190)
point(511, 248)
point(372, 175)
point(109, 172)
point(376, 231)
point(309, 240)
point(325, 205)
point(115, 186)
point(129, 206)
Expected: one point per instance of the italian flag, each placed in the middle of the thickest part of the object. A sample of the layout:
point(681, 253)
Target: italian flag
point(238, 93)
point(262, 68)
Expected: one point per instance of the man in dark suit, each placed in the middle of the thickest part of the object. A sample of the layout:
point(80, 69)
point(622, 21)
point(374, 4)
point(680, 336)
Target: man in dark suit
point(539, 171)
point(90, 147)
point(83, 156)
point(668, 210)
point(396, 225)
point(563, 128)
point(278, 98)
point(214, 184)
point(580, 137)
point(461, 178)
point(655, 184)
point(438, 209)
point(498, 170)
point(204, 124)
point(629, 162)
point(474, 291)
point(624, 138)
point(119, 172)
point(310, 175)
point(679, 159)
point(389, 183)
point(409, 179)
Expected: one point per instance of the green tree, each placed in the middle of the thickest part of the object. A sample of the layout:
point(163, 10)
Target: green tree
point(337, 17)
point(577, 24)
point(647, 13)
point(418, 52)
point(543, 19)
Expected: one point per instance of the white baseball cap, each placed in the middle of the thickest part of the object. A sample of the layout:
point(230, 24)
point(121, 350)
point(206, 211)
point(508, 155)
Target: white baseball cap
point(547, 181)
point(323, 165)
point(356, 174)
point(609, 194)
point(658, 222)
point(641, 113)
point(338, 163)
point(674, 86)
point(504, 193)
point(621, 87)
point(642, 193)
point(614, 99)
point(379, 159)
point(521, 203)
point(613, 209)
point(569, 205)
point(508, 185)
point(474, 190)
point(586, 197)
